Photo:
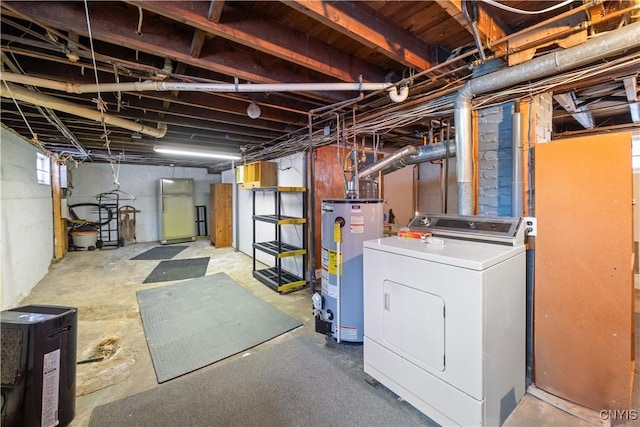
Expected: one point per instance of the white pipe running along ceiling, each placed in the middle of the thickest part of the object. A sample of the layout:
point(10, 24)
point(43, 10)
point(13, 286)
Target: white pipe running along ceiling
point(205, 87)
point(56, 104)
point(8, 90)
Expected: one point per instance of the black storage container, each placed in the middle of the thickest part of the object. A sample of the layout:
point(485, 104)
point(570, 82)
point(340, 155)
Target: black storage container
point(38, 365)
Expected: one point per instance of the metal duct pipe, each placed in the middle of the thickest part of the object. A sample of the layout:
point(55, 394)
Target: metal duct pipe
point(201, 87)
point(597, 48)
point(398, 155)
point(516, 166)
point(425, 153)
point(11, 91)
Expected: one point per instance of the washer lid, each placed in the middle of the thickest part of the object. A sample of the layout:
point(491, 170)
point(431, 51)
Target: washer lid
point(461, 253)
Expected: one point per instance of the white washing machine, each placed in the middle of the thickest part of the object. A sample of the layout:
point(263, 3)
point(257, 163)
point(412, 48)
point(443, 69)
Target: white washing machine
point(444, 317)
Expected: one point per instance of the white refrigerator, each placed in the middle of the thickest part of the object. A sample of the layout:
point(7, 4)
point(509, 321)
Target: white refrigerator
point(176, 220)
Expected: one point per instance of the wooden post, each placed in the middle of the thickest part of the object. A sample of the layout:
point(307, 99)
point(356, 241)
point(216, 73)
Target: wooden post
point(59, 224)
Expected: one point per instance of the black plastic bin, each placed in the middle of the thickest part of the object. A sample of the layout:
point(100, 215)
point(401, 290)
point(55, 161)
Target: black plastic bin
point(38, 365)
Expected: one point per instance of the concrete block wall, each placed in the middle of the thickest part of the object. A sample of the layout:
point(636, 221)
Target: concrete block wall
point(26, 221)
point(494, 153)
point(90, 179)
point(544, 116)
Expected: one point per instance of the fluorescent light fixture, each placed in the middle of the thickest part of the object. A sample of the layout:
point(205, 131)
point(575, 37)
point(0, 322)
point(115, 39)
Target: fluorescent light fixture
point(195, 152)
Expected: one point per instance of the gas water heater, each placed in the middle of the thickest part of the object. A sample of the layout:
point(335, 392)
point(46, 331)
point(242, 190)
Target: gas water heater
point(346, 224)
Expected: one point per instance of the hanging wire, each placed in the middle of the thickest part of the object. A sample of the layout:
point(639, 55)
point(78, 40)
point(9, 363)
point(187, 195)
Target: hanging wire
point(34, 136)
point(100, 103)
point(527, 12)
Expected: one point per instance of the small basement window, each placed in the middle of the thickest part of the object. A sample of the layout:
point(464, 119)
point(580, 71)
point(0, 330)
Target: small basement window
point(43, 169)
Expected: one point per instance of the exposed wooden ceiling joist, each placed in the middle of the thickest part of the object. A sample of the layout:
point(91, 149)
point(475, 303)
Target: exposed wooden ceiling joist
point(489, 27)
point(297, 41)
point(631, 90)
point(355, 20)
point(264, 37)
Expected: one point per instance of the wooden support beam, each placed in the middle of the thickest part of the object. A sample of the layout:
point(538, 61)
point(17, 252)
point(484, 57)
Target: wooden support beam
point(114, 26)
point(59, 227)
point(199, 37)
point(357, 21)
point(489, 26)
point(566, 33)
point(263, 36)
point(215, 10)
point(580, 113)
point(631, 89)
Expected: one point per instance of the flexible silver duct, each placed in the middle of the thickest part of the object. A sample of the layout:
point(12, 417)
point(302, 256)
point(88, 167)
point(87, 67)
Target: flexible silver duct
point(409, 155)
point(597, 48)
point(425, 153)
point(397, 155)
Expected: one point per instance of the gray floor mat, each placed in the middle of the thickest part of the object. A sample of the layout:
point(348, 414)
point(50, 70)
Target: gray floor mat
point(295, 383)
point(160, 252)
point(197, 322)
point(178, 269)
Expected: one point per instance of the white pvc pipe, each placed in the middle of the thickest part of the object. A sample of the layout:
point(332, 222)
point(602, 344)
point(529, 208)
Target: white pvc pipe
point(17, 92)
point(398, 97)
point(202, 87)
point(517, 186)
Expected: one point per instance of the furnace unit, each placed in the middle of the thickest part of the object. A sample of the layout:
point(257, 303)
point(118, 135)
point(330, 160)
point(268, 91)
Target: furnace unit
point(445, 316)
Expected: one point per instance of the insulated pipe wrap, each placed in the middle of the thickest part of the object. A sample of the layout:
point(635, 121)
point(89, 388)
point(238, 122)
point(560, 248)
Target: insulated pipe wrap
point(36, 98)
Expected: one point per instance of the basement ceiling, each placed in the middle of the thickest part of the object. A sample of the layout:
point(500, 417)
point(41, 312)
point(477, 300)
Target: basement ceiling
point(429, 46)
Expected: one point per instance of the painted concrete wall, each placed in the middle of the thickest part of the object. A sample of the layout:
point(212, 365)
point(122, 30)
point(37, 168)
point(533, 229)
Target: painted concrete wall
point(26, 222)
point(398, 194)
point(291, 173)
point(430, 188)
point(90, 179)
point(494, 152)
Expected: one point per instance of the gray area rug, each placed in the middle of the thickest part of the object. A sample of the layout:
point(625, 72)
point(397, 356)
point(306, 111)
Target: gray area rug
point(194, 323)
point(295, 383)
point(160, 252)
point(178, 269)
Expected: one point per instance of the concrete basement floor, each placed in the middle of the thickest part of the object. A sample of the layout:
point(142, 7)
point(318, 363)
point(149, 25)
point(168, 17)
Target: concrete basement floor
point(103, 284)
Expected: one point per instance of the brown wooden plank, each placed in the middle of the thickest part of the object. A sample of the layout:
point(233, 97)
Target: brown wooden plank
point(59, 240)
point(357, 21)
point(215, 10)
point(220, 225)
point(114, 25)
point(263, 36)
point(329, 184)
point(489, 28)
point(583, 313)
point(197, 42)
